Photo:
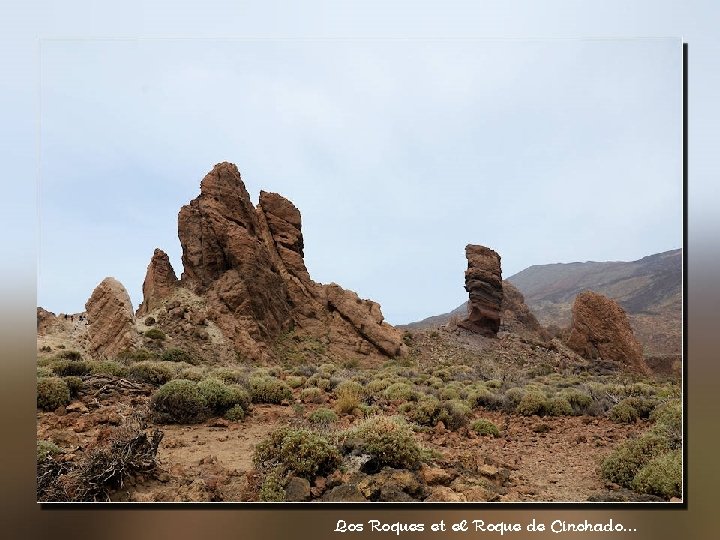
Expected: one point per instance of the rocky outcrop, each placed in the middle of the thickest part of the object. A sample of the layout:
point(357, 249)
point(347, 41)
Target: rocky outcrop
point(483, 282)
point(160, 282)
point(248, 264)
point(600, 330)
point(46, 321)
point(110, 319)
point(516, 317)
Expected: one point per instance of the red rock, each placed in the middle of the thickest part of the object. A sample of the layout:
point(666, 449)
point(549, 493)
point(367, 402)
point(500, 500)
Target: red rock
point(110, 319)
point(483, 282)
point(160, 282)
point(601, 330)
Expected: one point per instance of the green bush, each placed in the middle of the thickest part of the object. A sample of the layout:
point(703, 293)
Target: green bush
point(155, 373)
point(400, 392)
point(295, 381)
point(376, 386)
point(532, 402)
point(70, 355)
point(512, 398)
point(448, 393)
point(482, 397)
point(668, 423)
point(559, 406)
point(178, 355)
point(425, 412)
point(454, 414)
point(578, 400)
point(299, 452)
point(268, 390)
point(44, 372)
point(273, 487)
point(65, 368)
point(108, 367)
point(74, 384)
point(155, 334)
point(52, 392)
point(485, 427)
point(220, 397)
point(312, 395)
point(179, 402)
point(624, 413)
point(135, 355)
point(624, 463)
point(235, 413)
point(322, 416)
point(661, 476)
point(229, 375)
point(389, 440)
point(46, 449)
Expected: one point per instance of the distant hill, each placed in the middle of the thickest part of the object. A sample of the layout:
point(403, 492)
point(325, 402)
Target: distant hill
point(649, 289)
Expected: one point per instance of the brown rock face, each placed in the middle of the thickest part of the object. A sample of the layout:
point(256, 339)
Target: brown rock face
point(160, 282)
point(600, 329)
point(110, 319)
point(248, 265)
point(483, 282)
point(46, 321)
point(516, 316)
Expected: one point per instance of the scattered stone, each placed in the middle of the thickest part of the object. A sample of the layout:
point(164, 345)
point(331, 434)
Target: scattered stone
point(444, 494)
point(344, 493)
point(297, 489)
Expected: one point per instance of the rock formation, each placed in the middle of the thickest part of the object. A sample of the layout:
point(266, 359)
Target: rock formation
point(160, 282)
point(110, 319)
point(247, 263)
point(600, 330)
point(483, 282)
point(516, 317)
point(46, 321)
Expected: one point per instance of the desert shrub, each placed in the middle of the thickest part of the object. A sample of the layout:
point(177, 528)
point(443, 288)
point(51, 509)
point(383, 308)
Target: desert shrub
point(623, 413)
point(229, 375)
point(70, 355)
point(65, 368)
point(321, 382)
point(294, 381)
point(624, 463)
point(155, 373)
point(299, 452)
point(668, 423)
point(349, 387)
point(52, 392)
point(425, 412)
point(389, 440)
point(435, 382)
point(74, 385)
point(661, 476)
point(45, 348)
point(400, 391)
point(322, 416)
point(454, 414)
point(312, 395)
point(485, 427)
point(178, 355)
point(376, 386)
point(155, 334)
point(46, 449)
point(493, 383)
point(108, 367)
point(328, 369)
point(219, 397)
point(273, 487)
point(559, 406)
point(349, 396)
point(192, 373)
point(449, 392)
point(482, 397)
point(268, 390)
point(512, 398)
point(578, 400)
point(235, 413)
point(44, 372)
point(178, 402)
point(532, 402)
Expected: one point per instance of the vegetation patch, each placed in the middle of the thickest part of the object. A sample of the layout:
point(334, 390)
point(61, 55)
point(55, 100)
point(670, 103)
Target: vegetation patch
point(485, 427)
point(179, 402)
point(52, 392)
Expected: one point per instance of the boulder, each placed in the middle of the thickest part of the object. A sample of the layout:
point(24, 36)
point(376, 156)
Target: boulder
point(110, 319)
point(483, 282)
point(600, 329)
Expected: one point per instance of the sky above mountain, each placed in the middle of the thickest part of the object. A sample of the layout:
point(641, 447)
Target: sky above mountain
point(398, 153)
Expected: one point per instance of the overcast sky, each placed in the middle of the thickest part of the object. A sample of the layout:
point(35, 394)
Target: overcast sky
point(398, 153)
